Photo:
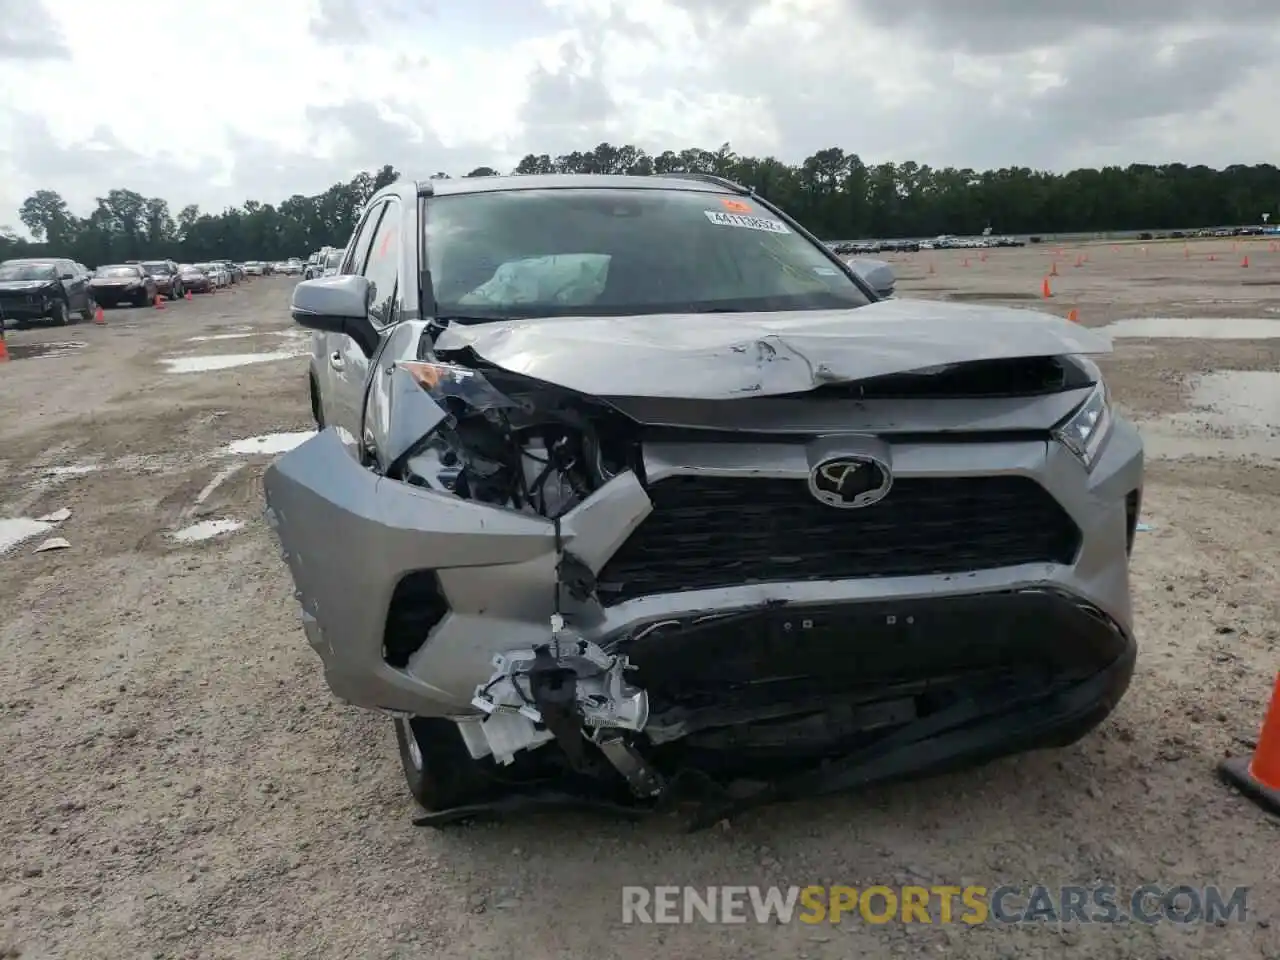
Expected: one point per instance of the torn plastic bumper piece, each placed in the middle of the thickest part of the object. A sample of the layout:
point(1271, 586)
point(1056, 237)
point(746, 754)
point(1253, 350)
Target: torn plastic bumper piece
point(569, 691)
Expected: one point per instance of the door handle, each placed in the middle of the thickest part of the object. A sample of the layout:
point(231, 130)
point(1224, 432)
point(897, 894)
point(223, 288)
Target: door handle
point(336, 361)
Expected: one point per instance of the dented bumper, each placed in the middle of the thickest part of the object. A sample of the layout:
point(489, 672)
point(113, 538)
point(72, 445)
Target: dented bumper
point(351, 539)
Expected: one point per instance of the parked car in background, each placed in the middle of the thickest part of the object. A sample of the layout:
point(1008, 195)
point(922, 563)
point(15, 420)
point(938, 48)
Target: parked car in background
point(195, 280)
point(253, 268)
point(54, 290)
point(232, 269)
point(292, 267)
point(313, 266)
point(332, 261)
point(167, 277)
point(120, 283)
point(216, 274)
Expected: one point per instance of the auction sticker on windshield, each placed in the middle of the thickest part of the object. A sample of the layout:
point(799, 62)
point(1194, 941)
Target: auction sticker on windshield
point(747, 223)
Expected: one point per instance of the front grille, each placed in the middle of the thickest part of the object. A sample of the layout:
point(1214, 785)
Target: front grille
point(707, 532)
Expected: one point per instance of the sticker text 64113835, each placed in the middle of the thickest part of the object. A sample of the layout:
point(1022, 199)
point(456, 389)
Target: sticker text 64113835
point(766, 224)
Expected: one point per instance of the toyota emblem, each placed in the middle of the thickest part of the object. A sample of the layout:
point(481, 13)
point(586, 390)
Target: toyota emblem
point(848, 483)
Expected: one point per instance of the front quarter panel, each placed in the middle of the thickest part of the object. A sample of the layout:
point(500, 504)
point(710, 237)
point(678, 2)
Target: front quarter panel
point(349, 536)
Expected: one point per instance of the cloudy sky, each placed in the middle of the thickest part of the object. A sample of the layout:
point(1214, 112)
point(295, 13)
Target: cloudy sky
point(217, 103)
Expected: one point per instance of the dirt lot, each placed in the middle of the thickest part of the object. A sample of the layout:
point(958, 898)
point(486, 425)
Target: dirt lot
point(176, 782)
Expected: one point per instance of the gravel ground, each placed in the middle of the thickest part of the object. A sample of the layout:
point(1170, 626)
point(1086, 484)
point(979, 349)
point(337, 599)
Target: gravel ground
point(176, 781)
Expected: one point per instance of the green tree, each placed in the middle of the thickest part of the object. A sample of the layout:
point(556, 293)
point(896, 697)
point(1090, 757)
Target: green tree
point(834, 192)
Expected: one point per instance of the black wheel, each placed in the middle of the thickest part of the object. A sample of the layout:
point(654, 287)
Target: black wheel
point(89, 308)
point(59, 314)
point(437, 767)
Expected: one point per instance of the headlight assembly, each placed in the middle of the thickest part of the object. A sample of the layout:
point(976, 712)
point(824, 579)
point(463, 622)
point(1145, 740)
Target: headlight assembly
point(456, 389)
point(1085, 430)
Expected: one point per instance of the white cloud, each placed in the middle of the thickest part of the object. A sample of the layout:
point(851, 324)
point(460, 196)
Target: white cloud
point(217, 104)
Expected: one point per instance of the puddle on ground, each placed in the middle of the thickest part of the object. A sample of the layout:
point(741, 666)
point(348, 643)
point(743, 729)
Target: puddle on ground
point(1195, 328)
point(207, 530)
point(1235, 414)
point(19, 529)
point(270, 443)
point(226, 361)
point(75, 470)
point(219, 336)
point(35, 351)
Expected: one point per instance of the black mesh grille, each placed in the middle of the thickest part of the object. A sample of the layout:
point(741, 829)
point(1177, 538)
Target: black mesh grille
point(708, 532)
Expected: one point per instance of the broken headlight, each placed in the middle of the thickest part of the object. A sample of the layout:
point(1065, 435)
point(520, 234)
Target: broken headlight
point(456, 389)
point(1084, 432)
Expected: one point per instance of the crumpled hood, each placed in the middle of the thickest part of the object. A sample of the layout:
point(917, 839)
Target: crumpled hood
point(722, 355)
point(23, 286)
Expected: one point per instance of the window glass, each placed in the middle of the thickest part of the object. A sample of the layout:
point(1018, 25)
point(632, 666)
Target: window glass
point(360, 249)
point(620, 251)
point(383, 267)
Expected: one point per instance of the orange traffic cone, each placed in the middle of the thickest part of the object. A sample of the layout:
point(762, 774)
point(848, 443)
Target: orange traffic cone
point(964, 262)
point(188, 294)
point(99, 317)
point(159, 302)
point(1045, 291)
point(1258, 777)
point(1213, 256)
point(931, 270)
point(4, 350)
point(1079, 261)
point(1073, 315)
point(1186, 253)
point(1245, 261)
point(1053, 270)
point(983, 257)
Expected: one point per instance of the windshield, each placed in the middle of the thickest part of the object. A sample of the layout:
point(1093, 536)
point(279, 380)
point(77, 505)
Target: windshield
point(205, 267)
point(154, 268)
point(28, 271)
point(333, 259)
point(117, 272)
point(619, 252)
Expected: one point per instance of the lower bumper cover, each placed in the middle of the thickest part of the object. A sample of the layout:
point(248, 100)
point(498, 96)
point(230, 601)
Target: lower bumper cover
point(980, 677)
point(23, 311)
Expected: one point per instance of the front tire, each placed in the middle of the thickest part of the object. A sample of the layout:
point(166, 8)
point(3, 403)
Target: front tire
point(59, 314)
point(438, 769)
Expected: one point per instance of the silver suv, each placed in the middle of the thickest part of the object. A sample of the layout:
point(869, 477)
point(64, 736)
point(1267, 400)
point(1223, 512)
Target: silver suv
point(630, 483)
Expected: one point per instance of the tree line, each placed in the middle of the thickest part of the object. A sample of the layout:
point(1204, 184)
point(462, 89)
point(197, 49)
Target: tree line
point(832, 192)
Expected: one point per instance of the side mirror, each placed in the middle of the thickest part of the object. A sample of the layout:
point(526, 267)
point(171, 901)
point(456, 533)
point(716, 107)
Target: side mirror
point(68, 276)
point(336, 305)
point(878, 275)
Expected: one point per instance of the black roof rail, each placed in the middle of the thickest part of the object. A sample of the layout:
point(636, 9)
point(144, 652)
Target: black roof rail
point(709, 178)
point(425, 188)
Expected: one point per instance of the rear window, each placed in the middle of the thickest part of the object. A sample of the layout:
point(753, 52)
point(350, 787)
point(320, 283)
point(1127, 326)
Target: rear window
point(153, 267)
point(618, 251)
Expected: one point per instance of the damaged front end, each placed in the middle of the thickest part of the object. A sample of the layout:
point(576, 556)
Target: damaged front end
point(479, 576)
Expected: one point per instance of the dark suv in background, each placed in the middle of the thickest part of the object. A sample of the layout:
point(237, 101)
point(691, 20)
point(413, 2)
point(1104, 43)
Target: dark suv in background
point(44, 289)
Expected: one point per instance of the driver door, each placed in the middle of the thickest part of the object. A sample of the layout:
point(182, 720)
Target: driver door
point(375, 255)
